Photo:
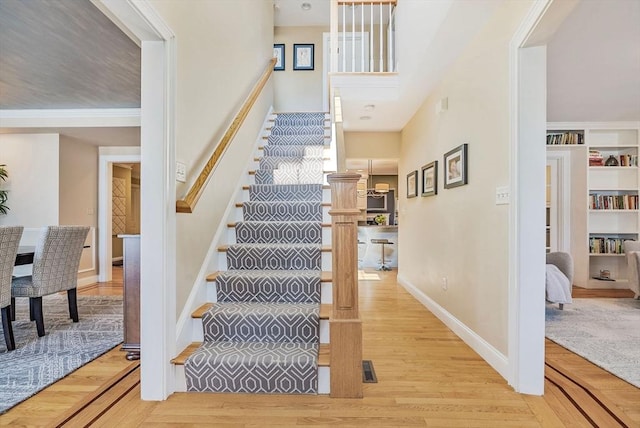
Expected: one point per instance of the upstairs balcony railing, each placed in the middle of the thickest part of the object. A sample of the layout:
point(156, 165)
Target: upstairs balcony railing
point(363, 36)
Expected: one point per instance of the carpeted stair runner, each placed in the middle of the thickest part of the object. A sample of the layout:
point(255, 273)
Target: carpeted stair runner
point(262, 334)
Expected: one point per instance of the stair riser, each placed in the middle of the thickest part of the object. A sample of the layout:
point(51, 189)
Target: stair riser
point(293, 193)
point(325, 265)
point(198, 330)
point(266, 232)
point(298, 140)
point(325, 236)
point(326, 292)
point(296, 151)
point(282, 130)
point(295, 328)
point(325, 217)
point(326, 195)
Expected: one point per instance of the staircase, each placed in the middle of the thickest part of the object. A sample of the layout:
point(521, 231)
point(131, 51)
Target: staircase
point(263, 330)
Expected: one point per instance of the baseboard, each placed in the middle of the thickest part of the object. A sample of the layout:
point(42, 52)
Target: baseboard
point(89, 280)
point(491, 355)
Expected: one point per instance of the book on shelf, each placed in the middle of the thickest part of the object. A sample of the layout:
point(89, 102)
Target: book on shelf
point(595, 158)
point(613, 202)
point(565, 138)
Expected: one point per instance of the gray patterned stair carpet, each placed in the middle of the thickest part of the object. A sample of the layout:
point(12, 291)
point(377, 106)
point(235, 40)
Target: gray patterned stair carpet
point(40, 361)
point(262, 334)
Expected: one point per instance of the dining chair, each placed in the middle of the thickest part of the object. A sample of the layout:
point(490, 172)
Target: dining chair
point(55, 268)
point(9, 241)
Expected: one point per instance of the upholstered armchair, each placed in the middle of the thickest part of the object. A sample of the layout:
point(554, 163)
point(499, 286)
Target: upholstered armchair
point(632, 250)
point(9, 241)
point(564, 262)
point(55, 268)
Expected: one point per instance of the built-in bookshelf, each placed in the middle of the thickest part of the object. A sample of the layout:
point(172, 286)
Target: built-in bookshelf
point(609, 156)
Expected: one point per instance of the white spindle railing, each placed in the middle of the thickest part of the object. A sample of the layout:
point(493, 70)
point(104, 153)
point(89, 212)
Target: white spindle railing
point(356, 36)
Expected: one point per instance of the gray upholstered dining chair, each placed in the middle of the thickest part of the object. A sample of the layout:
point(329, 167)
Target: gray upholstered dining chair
point(55, 268)
point(632, 250)
point(9, 241)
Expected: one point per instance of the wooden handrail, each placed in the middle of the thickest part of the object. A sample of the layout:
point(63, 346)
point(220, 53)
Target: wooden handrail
point(189, 202)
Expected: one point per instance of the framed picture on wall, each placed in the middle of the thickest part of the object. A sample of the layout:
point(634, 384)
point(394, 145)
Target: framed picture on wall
point(455, 167)
point(430, 179)
point(412, 184)
point(278, 54)
point(303, 56)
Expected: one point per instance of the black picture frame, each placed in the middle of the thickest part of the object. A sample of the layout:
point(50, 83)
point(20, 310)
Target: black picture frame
point(455, 167)
point(412, 184)
point(278, 53)
point(430, 179)
point(303, 56)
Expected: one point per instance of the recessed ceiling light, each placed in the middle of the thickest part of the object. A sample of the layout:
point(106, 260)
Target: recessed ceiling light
point(369, 107)
point(306, 6)
point(365, 117)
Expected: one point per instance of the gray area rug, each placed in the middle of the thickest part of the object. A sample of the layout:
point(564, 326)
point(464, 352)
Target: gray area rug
point(40, 361)
point(604, 331)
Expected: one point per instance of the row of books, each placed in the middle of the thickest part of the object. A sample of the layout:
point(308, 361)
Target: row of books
point(601, 245)
point(563, 138)
point(613, 202)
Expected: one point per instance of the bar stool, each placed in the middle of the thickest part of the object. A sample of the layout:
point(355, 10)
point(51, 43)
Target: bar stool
point(382, 242)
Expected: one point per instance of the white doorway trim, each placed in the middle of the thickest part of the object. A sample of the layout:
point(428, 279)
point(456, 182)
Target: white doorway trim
point(561, 195)
point(526, 214)
point(145, 26)
point(107, 156)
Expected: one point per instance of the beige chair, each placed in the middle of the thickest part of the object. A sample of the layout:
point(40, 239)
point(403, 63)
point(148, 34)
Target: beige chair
point(632, 250)
point(9, 241)
point(55, 268)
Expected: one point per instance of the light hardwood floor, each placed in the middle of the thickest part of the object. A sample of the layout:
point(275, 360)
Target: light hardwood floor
point(426, 377)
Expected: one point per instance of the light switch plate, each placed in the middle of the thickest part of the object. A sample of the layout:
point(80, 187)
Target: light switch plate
point(181, 172)
point(502, 195)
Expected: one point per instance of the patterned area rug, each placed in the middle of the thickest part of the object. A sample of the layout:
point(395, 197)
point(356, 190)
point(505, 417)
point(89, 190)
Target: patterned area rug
point(604, 331)
point(40, 361)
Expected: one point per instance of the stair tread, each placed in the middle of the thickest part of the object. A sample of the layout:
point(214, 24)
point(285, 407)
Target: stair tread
point(224, 248)
point(325, 310)
point(326, 276)
point(324, 204)
point(323, 354)
point(247, 186)
point(254, 221)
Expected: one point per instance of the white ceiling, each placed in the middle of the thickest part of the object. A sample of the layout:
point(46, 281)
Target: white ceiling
point(289, 13)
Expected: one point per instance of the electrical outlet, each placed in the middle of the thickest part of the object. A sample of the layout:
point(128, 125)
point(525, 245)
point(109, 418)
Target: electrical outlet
point(445, 283)
point(181, 172)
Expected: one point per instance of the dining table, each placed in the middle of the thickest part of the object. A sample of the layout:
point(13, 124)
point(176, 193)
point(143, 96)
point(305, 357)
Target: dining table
point(25, 255)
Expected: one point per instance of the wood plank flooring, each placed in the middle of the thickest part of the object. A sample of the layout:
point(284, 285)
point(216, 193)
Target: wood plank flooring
point(426, 377)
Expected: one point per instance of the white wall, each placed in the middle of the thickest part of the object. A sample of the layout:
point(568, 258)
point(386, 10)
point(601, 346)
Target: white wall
point(79, 193)
point(299, 90)
point(33, 167)
point(461, 234)
point(372, 145)
point(222, 49)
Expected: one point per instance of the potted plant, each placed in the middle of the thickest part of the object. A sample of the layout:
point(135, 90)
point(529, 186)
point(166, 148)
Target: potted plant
point(4, 194)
